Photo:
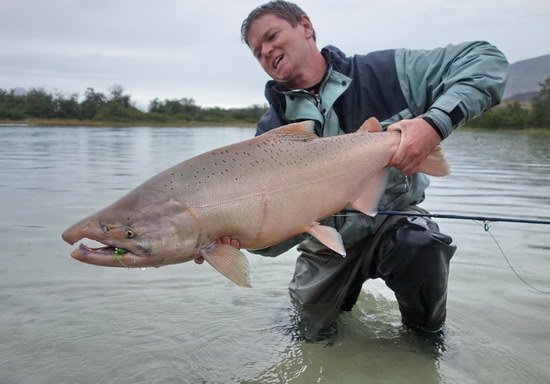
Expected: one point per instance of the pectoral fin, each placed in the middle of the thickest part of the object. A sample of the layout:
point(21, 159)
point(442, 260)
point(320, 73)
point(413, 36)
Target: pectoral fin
point(229, 261)
point(329, 237)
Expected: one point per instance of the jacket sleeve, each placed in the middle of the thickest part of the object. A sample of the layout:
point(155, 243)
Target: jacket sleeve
point(454, 84)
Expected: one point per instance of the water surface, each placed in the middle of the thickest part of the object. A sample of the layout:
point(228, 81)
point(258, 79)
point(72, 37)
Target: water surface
point(67, 322)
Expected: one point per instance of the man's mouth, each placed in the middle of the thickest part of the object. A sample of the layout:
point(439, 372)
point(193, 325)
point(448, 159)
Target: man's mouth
point(277, 61)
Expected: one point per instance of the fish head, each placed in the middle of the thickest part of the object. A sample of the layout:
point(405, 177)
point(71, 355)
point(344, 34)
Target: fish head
point(137, 231)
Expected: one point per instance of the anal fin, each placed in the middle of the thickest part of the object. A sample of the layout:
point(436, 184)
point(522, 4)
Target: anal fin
point(329, 237)
point(369, 197)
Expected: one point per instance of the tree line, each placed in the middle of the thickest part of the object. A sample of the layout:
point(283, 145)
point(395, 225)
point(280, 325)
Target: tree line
point(516, 116)
point(117, 107)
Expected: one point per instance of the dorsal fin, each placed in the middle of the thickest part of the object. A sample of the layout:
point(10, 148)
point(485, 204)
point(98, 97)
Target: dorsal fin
point(302, 131)
point(370, 125)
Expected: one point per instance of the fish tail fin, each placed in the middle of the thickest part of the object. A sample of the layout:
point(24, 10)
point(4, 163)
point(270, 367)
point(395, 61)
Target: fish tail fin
point(435, 164)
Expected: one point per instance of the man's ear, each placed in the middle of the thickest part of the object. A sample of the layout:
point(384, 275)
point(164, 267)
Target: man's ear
point(305, 22)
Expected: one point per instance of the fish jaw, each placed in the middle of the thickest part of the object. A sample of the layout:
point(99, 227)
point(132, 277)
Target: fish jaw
point(77, 231)
point(113, 253)
point(140, 252)
point(108, 257)
point(145, 235)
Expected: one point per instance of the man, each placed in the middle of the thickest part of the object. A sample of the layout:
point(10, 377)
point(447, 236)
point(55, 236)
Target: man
point(422, 94)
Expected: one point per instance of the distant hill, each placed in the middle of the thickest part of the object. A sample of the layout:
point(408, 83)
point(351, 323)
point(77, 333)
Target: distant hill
point(525, 77)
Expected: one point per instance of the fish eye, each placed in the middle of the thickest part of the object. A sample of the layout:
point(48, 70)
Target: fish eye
point(129, 234)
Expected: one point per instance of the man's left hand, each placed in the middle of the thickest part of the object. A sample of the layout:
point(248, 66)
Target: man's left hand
point(418, 140)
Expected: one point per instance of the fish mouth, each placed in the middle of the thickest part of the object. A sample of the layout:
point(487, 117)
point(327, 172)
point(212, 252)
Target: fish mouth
point(109, 253)
point(109, 256)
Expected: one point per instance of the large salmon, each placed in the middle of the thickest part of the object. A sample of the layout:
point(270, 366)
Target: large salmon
point(259, 191)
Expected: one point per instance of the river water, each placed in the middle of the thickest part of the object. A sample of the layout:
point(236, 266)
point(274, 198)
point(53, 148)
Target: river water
point(62, 321)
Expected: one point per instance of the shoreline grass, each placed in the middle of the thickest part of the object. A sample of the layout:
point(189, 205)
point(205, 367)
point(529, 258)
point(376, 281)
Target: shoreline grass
point(236, 124)
point(124, 124)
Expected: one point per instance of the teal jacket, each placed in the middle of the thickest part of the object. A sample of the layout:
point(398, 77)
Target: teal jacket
point(447, 86)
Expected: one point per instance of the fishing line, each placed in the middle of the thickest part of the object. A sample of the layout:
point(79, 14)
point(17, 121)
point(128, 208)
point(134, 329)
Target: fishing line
point(487, 220)
point(486, 226)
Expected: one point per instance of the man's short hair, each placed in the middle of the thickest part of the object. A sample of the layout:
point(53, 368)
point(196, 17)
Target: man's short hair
point(282, 9)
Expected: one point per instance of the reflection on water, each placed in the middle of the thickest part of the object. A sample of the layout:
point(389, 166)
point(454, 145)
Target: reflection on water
point(63, 321)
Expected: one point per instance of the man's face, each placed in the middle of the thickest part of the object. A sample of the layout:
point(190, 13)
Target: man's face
point(280, 48)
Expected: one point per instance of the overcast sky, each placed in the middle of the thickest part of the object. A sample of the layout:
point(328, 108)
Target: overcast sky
point(182, 48)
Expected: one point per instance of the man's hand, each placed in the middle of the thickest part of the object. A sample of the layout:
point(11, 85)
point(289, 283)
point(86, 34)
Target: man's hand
point(418, 140)
point(224, 240)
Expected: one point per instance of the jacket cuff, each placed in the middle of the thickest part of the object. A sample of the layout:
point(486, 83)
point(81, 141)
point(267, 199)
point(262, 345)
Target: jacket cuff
point(433, 125)
point(444, 115)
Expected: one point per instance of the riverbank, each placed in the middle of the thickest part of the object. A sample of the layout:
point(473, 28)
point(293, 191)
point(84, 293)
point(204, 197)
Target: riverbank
point(97, 123)
point(236, 123)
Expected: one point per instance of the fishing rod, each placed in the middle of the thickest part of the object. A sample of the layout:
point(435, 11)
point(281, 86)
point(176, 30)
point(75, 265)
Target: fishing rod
point(486, 226)
point(492, 219)
point(487, 219)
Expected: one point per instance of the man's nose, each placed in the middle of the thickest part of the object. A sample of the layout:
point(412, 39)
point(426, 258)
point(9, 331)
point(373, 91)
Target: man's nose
point(267, 48)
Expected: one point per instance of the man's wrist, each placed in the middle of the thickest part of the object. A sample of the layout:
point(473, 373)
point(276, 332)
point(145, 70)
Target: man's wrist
point(433, 125)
